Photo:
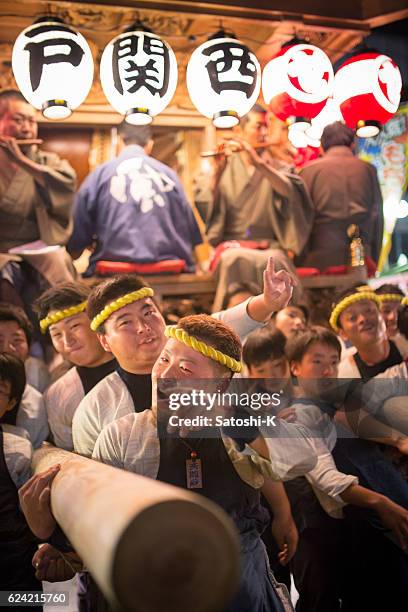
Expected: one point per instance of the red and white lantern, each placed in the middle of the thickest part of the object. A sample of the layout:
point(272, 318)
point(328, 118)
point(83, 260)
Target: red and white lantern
point(367, 88)
point(297, 82)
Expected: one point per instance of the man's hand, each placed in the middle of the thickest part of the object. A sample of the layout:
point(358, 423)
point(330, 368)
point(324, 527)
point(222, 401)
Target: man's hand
point(286, 535)
point(395, 518)
point(51, 565)
point(36, 170)
point(402, 445)
point(11, 147)
point(238, 143)
point(35, 501)
point(278, 289)
point(288, 414)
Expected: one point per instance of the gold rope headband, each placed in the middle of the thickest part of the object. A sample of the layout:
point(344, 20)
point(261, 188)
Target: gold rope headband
point(172, 331)
point(61, 314)
point(390, 297)
point(124, 300)
point(404, 301)
point(348, 301)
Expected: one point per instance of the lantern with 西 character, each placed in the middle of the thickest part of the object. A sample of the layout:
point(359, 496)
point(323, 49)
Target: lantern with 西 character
point(223, 79)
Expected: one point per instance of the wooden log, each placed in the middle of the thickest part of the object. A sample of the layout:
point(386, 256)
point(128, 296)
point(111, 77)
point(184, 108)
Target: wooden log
point(150, 546)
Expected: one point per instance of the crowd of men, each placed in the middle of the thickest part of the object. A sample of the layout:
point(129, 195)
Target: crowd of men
point(320, 498)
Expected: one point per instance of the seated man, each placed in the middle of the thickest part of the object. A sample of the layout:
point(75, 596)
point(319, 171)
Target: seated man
point(134, 209)
point(256, 197)
point(36, 197)
point(344, 190)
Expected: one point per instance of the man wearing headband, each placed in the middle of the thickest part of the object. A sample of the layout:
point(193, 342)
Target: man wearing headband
point(356, 317)
point(61, 314)
point(200, 347)
point(129, 325)
point(391, 298)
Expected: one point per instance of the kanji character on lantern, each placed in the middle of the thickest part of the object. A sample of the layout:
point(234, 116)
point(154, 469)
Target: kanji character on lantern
point(138, 75)
point(53, 67)
point(223, 80)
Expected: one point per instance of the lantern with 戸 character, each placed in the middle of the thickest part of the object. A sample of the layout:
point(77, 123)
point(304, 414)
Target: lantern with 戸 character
point(138, 74)
point(223, 79)
point(367, 88)
point(297, 83)
point(53, 67)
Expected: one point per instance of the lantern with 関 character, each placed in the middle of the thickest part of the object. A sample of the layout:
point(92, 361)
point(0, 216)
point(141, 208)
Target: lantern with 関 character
point(367, 87)
point(297, 82)
point(223, 79)
point(138, 74)
point(53, 67)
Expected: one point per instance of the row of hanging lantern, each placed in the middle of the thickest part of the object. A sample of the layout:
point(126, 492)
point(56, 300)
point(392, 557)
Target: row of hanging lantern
point(53, 68)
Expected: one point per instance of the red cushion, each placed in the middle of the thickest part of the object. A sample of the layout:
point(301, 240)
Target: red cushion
point(333, 270)
point(304, 272)
point(170, 266)
point(236, 244)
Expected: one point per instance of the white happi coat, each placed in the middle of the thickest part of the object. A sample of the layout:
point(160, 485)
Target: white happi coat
point(61, 401)
point(110, 398)
point(32, 416)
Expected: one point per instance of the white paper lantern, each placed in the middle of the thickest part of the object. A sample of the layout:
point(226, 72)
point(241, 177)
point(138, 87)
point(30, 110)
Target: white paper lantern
point(223, 80)
point(53, 67)
point(138, 75)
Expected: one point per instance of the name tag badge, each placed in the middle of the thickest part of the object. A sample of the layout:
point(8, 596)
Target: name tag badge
point(194, 474)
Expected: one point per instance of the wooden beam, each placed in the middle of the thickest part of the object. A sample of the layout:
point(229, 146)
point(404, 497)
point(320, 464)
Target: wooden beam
point(149, 546)
point(347, 14)
point(103, 114)
point(322, 281)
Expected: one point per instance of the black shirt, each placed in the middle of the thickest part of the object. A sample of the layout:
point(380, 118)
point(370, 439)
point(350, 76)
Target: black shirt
point(91, 376)
point(369, 371)
point(139, 387)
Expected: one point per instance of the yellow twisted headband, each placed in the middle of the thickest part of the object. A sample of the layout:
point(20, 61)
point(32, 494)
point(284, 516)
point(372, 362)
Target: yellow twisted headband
point(172, 331)
point(390, 297)
point(61, 314)
point(404, 301)
point(124, 300)
point(348, 301)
